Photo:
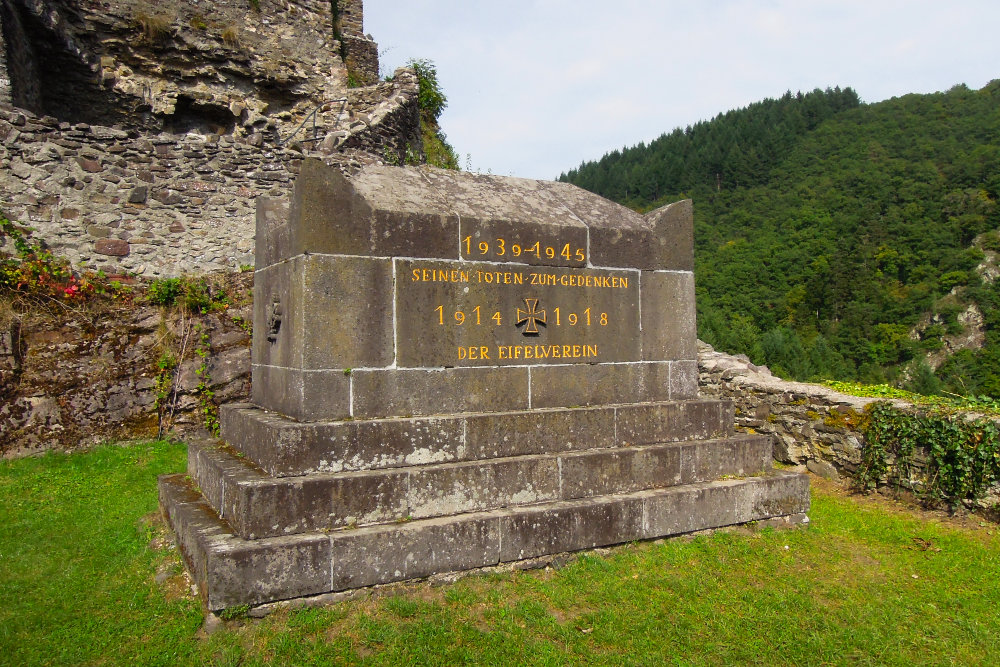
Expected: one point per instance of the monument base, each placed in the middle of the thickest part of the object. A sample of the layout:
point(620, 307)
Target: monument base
point(253, 537)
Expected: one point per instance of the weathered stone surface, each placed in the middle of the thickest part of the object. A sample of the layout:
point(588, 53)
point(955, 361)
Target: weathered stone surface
point(407, 392)
point(232, 571)
point(698, 506)
point(303, 394)
point(683, 379)
point(285, 447)
point(668, 316)
point(538, 432)
point(663, 422)
point(320, 312)
point(569, 526)
point(382, 554)
point(272, 233)
point(114, 247)
point(663, 239)
point(600, 384)
point(674, 231)
point(468, 487)
point(257, 505)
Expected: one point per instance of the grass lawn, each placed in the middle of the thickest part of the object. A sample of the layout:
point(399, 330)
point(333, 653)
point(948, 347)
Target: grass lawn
point(85, 578)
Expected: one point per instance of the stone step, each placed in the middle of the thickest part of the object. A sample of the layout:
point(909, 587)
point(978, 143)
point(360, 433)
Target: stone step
point(257, 505)
point(284, 447)
point(232, 571)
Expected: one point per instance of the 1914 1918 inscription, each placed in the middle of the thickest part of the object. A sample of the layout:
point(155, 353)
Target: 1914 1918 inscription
point(486, 314)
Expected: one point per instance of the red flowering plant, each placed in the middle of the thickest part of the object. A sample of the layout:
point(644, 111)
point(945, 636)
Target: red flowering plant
point(33, 272)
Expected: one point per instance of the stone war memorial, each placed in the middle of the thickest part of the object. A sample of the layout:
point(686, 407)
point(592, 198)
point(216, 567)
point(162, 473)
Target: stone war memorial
point(452, 371)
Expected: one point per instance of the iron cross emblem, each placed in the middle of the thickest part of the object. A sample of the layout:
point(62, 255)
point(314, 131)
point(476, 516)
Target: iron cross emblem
point(532, 316)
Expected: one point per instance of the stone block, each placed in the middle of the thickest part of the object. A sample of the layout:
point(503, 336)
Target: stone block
point(112, 247)
point(326, 214)
point(662, 240)
point(230, 571)
point(645, 424)
point(668, 316)
point(306, 395)
point(259, 506)
point(347, 320)
point(710, 505)
point(538, 432)
point(382, 554)
point(625, 470)
point(683, 380)
point(397, 234)
point(673, 226)
point(323, 312)
point(468, 487)
point(273, 243)
point(257, 572)
point(529, 241)
point(569, 526)
point(284, 447)
point(408, 392)
point(599, 384)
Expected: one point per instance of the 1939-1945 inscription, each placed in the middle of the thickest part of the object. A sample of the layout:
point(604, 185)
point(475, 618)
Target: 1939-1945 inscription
point(494, 313)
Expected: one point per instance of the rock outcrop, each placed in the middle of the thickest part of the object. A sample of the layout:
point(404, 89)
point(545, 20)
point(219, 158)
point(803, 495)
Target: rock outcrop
point(136, 136)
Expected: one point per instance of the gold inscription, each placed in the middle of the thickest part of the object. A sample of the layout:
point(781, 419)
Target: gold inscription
point(572, 280)
point(500, 277)
point(543, 352)
point(532, 317)
point(500, 248)
point(474, 352)
point(440, 276)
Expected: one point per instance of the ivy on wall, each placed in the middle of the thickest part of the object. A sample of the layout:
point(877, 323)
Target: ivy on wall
point(944, 457)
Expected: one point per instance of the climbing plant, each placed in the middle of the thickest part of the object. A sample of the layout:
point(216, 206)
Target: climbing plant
point(944, 456)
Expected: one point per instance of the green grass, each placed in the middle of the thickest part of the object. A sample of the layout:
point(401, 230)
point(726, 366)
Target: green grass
point(860, 585)
point(949, 403)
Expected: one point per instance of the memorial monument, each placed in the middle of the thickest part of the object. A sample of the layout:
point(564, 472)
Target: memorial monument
point(454, 370)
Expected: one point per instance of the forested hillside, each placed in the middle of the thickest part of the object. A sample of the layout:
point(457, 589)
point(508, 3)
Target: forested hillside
point(839, 240)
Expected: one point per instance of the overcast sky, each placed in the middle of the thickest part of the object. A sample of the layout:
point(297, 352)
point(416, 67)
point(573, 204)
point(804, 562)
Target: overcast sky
point(536, 87)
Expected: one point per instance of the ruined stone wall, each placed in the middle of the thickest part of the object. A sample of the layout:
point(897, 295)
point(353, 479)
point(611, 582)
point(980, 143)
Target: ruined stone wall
point(166, 205)
point(5, 96)
point(350, 17)
point(173, 65)
point(810, 424)
point(359, 51)
point(806, 421)
point(89, 376)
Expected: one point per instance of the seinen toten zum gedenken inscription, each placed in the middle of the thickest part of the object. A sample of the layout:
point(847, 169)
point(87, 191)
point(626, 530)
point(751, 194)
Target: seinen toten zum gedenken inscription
point(508, 365)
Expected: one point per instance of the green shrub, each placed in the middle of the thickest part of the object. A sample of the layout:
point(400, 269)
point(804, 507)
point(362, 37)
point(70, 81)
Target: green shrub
point(163, 292)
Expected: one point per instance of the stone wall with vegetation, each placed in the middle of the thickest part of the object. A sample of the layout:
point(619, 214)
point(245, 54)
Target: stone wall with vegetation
point(811, 424)
point(945, 451)
point(121, 368)
point(165, 205)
